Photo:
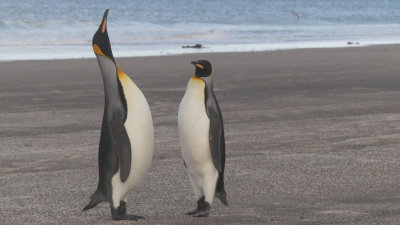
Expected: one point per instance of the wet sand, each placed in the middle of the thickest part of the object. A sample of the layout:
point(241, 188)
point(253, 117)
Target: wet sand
point(312, 137)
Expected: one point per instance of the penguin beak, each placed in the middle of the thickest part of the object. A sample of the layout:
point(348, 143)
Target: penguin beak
point(196, 64)
point(103, 25)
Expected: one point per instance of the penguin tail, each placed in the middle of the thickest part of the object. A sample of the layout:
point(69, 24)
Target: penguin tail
point(222, 197)
point(95, 199)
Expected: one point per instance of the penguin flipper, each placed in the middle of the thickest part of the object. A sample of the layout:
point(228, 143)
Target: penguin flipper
point(216, 134)
point(122, 144)
point(217, 146)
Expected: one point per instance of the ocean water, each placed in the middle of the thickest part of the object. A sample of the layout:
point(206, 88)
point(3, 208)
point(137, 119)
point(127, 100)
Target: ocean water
point(56, 29)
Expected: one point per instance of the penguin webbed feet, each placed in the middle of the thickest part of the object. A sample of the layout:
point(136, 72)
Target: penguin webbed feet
point(202, 210)
point(191, 213)
point(119, 213)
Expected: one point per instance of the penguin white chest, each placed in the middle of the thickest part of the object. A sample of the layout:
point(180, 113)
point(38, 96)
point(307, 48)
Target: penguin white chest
point(139, 127)
point(193, 125)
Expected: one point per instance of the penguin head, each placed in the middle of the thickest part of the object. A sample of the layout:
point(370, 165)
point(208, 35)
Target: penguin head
point(203, 68)
point(100, 42)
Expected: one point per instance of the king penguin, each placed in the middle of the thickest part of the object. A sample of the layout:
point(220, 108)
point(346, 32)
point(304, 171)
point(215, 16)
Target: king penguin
point(201, 135)
point(127, 135)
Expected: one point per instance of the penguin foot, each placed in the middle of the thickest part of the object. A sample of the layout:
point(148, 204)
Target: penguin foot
point(203, 209)
point(200, 203)
point(192, 212)
point(202, 213)
point(120, 213)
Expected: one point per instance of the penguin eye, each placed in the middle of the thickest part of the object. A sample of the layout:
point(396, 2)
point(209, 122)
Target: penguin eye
point(200, 66)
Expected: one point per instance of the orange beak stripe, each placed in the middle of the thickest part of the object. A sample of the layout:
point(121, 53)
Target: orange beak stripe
point(200, 66)
point(103, 28)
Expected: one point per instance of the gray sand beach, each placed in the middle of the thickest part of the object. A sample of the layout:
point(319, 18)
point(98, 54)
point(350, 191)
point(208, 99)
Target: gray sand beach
point(312, 137)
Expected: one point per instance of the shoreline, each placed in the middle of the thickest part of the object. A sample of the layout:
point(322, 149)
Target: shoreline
point(189, 51)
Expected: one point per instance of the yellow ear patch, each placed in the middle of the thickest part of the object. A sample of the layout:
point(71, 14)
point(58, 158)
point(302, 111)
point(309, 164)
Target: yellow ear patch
point(97, 50)
point(199, 66)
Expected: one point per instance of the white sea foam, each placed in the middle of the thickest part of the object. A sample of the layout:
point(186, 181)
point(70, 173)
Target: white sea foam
point(11, 53)
point(63, 29)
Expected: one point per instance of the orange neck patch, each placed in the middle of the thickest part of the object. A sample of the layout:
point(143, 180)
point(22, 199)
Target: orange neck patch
point(196, 78)
point(121, 75)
